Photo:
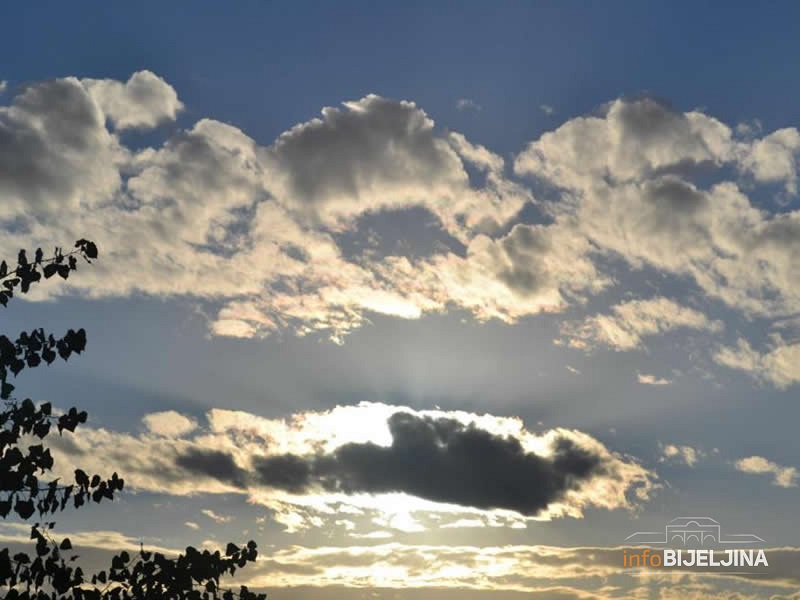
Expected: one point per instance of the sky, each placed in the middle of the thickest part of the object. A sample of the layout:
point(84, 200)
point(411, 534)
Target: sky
point(429, 299)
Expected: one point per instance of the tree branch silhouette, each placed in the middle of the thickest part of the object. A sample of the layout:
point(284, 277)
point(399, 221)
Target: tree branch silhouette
point(52, 571)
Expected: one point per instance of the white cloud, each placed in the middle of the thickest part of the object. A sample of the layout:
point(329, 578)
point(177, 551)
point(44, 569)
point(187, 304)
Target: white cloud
point(169, 423)
point(216, 517)
point(631, 321)
point(647, 379)
point(3, 86)
point(544, 572)
point(192, 525)
point(683, 454)
point(56, 155)
point(378, 154)
point(632, 139)
point(774, 158)
point(547, 109)
point(627, 187)
point(532, 269)
point(785, 477)
point(779, 365)
point(212, 205)
point(99, 539)
point(142, 102)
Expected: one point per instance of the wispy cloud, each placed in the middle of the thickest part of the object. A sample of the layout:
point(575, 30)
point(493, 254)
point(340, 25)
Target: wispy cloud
point(778, 365)
point(546, 571)
point(216, 517)
point(630, 322)
point(467, 104)
point(540, 571)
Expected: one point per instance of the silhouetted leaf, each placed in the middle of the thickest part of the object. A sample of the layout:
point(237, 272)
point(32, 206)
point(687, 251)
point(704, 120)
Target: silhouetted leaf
point(24, 508)
point(81, 478)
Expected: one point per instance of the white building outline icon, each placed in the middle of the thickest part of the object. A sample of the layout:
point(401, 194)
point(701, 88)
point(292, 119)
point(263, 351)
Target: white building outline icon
point(692, 531)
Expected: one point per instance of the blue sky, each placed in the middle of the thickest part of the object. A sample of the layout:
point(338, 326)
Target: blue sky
point(553, 222)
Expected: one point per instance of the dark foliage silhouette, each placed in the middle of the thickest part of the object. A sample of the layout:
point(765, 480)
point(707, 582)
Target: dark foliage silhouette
point(52, 570)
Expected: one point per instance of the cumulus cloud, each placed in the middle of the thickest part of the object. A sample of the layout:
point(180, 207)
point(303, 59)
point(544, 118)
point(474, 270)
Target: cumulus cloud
point(785, 477)
point(169, 423)
point(390, 462)
point(55, 153)
point(626, 181)
point(209, 204)
point(532, 269)
point(629, 322)
point(633, 138)
point(378, 154)
point(774, 158)
point(142, 102)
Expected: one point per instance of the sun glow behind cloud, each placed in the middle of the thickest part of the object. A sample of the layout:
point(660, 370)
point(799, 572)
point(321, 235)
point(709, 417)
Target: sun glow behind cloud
point(643, 230)
point(313, 467)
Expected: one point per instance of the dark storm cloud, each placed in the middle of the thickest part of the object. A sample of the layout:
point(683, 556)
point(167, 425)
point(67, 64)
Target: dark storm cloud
point(286, 471)
point(441, 460)
point(212, 463)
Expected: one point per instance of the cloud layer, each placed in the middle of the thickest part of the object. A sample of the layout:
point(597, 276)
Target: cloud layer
point(254, 232)
point(538, 571)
